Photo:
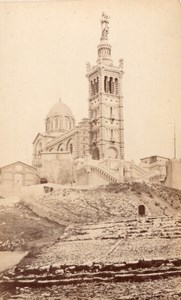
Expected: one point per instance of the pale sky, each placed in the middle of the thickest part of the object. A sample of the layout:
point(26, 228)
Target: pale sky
point(44, 48)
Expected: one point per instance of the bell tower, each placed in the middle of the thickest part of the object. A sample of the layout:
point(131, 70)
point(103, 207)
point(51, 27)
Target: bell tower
point(105, 101)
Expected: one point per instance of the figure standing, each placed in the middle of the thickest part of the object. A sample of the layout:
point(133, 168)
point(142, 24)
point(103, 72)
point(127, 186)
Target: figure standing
point(105, 26)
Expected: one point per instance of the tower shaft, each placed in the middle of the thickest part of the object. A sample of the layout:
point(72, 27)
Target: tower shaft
point(106, 102)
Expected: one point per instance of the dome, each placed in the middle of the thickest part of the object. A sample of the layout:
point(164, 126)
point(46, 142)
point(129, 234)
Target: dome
point(59, 119)
point(60, 109)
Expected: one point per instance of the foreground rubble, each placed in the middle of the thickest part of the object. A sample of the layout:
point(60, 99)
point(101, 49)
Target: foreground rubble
point(108, 250)
point(113, 252)
point(140, 270)
point(162, 289)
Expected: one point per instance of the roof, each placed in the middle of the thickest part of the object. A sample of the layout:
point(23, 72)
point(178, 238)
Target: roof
point(18, 162)
point(60, 109)
point(63, 136)
point(152, 156)
point(43, 135)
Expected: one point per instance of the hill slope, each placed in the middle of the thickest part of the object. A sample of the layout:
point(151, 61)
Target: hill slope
point(114, 202)
point(105, 243)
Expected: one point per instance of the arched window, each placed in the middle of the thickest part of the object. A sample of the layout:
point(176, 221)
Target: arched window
point(105, 84)
point(51, 124)
point(111, 85)
point(71, 148)
point(66, 123)
point(97, 84)
point(60, 147)
point(116, 86)
point(39, 148)
point(48, 125)
point(92, 88)
point(141, 210)
point(56, 122)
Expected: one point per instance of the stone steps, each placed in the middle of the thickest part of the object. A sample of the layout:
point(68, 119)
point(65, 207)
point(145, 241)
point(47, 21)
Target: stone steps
point(132, 229)
point(131, 234)
point(133, 271)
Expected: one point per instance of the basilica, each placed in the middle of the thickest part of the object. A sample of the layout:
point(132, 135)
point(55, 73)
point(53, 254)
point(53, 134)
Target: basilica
point(91, 152)
point(64, 147)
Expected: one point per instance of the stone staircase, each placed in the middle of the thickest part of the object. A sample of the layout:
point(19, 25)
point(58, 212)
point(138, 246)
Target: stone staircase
point(140, 170)
point(112, 177)
point(108, 175)
point(150, 227)
point(147, 176)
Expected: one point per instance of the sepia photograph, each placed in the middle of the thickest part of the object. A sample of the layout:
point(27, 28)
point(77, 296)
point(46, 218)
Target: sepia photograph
point(90, 152)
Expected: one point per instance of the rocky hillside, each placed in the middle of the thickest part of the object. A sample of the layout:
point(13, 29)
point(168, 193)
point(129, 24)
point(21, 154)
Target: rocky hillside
point(21, 229)
point(103, 223)
point(34, 222)
point(114, 202)
point(105, 242)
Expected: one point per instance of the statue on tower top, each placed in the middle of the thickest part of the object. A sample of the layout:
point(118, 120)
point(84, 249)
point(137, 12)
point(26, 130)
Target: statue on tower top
point(104, 26)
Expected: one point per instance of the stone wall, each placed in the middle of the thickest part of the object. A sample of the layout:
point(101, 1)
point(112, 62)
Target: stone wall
point(82, 177)
point(16, 175)
point(57, 167)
